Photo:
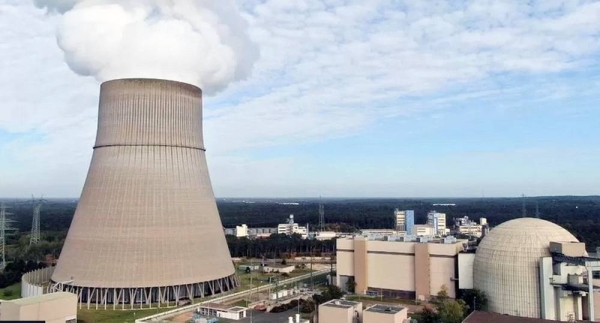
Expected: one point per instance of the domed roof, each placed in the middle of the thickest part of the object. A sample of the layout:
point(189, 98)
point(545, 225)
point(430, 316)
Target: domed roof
point(506, 265)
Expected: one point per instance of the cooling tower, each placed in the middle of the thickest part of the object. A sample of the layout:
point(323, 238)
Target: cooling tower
point(146, 229)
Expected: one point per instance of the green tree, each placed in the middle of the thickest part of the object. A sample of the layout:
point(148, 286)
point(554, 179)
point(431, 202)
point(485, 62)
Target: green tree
point(475, 299)
point(452, 311)
point(428, 315)
point(351, 285)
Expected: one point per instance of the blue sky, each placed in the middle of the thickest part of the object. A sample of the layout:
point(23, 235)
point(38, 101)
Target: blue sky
point(347, 98)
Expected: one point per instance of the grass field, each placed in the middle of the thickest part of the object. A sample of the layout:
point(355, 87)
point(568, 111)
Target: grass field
point(115, 316)
point(14, 291)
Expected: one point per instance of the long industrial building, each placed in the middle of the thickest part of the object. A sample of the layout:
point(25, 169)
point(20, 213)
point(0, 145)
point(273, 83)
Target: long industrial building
point(404, 269)
point(146, 229)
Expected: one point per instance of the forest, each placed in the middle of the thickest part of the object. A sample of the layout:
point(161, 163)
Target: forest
point(580, 215)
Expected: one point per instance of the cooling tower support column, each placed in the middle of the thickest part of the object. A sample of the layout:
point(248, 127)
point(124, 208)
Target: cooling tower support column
point(146, 230)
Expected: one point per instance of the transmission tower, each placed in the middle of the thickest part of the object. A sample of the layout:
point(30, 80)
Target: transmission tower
point(3, 215)
point(524, 209)
point(321, 215)
point(35, 225)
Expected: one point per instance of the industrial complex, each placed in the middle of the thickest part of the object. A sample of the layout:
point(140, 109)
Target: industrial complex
point(527, 267)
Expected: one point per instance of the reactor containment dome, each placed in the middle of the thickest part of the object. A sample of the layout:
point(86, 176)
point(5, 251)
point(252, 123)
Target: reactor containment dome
point(146, 229)
point(506, 265)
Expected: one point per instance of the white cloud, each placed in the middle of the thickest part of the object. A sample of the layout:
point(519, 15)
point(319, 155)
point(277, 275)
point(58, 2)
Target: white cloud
point(328, 68)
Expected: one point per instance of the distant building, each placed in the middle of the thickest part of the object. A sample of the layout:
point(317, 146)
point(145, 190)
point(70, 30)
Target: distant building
point(392, 268)
point(241, 231)
point(438, 221)
point(325, 235)
point(58, 307)
point(410, 221)
point(405, 220)
point(468, 227)
point(291, 227)
point(420, 230)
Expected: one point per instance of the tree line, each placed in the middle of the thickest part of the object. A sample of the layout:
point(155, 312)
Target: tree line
point(279, 246)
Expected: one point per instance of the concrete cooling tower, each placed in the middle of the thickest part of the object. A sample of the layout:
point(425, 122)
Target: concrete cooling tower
point(146, 229)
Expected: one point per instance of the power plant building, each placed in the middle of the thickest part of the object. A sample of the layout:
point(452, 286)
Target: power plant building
point(405, 220)
point(146, 229)
point(404, 268)
point(533, 268)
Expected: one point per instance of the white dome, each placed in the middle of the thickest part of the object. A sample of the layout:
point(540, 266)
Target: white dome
point(506, 265)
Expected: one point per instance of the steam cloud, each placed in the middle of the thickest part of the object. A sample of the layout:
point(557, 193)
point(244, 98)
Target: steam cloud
point(202, 42)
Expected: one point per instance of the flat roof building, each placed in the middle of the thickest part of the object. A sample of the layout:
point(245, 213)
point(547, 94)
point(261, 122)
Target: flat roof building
point(340, 311)
point(385, 314)
point(412, 270)
point(58, 307)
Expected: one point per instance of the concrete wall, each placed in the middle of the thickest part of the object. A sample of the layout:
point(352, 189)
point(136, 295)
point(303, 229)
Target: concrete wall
point(465, 270)
point(332, 314)
point(422, 268)
point(391, 271)
point(345, 257)
point(31, 282)
point(442, 270)
point(422, 271)
point(60, 308)
point(361, 273)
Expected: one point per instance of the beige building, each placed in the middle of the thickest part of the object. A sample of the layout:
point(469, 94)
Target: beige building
point(423, 230)
point(398, 269)
point(50, 308)
point(438, 221)
point(385, 314)
point(340, 311)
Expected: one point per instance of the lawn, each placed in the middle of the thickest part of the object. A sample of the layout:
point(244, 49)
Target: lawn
point(11, 292)
point(115, 316)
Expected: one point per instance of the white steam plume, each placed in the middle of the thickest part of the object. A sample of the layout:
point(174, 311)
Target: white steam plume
point(202, 42)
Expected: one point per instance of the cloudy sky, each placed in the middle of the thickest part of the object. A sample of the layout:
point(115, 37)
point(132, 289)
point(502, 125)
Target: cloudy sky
point(348, 98)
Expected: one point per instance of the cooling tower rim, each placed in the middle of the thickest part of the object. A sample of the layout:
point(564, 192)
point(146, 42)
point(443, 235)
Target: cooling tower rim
point(150, 81)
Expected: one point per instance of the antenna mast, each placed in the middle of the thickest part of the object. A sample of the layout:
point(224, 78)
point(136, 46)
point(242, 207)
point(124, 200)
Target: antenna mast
point(524, 209)
point(321, 215)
